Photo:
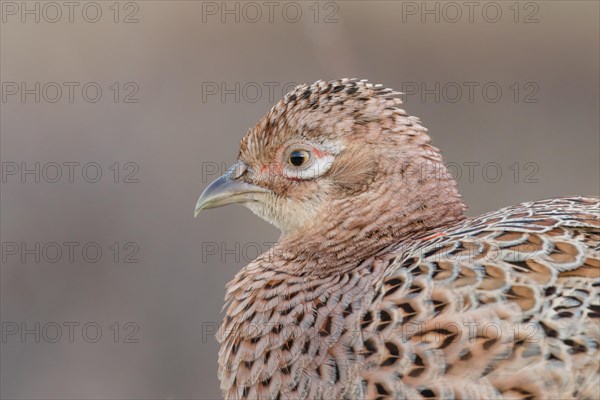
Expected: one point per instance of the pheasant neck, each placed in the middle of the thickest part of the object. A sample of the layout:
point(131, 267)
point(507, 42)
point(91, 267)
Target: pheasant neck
point(351, 232)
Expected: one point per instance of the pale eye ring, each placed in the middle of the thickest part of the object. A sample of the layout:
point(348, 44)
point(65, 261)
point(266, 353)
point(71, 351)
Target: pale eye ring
point(298, 158)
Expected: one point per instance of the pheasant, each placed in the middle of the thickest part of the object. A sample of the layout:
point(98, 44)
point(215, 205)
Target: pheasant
point(379, 286)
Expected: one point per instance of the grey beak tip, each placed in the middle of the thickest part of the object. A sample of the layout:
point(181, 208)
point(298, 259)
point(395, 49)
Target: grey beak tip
point(225, 190)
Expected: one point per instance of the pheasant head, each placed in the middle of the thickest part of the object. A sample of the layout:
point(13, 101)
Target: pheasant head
point(340, 168)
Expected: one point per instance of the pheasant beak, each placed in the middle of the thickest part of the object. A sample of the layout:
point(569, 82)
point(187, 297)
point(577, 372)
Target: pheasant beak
point(228, 189)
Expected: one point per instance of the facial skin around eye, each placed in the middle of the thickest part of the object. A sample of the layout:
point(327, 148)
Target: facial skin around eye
point(305, 162)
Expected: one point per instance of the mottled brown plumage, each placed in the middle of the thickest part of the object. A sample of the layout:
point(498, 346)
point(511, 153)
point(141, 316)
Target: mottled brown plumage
point(379, 286)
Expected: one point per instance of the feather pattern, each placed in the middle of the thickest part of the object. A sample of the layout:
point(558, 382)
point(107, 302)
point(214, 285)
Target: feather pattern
point(385, 290)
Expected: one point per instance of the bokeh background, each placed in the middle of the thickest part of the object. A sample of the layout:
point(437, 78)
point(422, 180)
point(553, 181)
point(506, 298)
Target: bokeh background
point(181, 83)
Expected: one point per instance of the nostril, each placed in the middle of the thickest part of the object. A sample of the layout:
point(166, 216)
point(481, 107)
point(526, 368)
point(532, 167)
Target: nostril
point(238, 170)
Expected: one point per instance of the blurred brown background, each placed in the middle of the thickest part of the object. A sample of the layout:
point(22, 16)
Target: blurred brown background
point(504, 87)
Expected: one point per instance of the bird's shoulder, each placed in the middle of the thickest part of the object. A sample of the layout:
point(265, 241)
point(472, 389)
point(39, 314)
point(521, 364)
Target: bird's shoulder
point(537, 241)
point(468, 305)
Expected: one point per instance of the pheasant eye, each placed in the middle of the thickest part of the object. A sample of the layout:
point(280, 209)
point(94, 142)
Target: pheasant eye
point(298, 158)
